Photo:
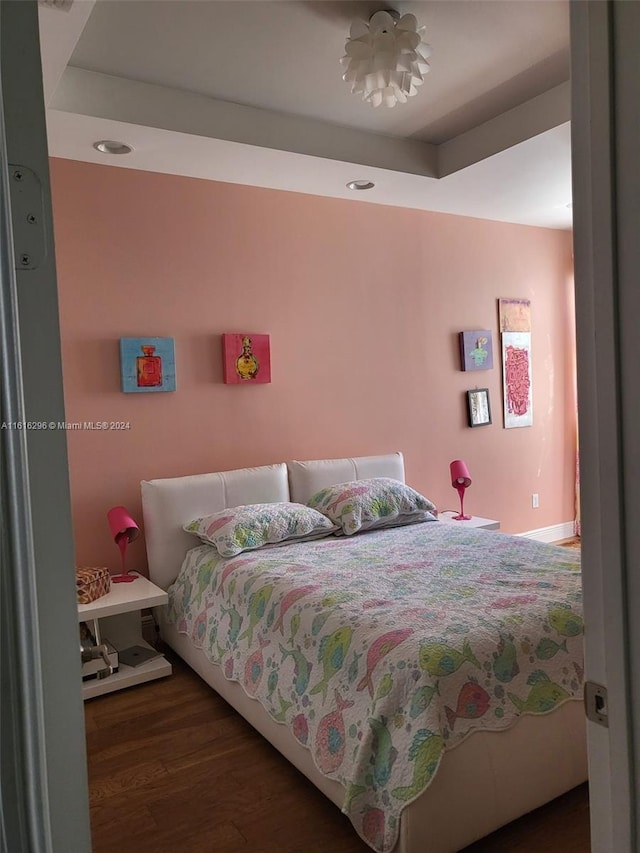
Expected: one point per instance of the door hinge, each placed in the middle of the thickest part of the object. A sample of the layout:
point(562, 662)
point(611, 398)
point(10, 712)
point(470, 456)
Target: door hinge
point(27, 217)
point(596, 704)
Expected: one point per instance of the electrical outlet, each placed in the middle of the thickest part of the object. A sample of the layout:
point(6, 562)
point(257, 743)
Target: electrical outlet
point(535, 501)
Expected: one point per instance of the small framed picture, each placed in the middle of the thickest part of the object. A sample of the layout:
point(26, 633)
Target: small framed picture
point(479, 407)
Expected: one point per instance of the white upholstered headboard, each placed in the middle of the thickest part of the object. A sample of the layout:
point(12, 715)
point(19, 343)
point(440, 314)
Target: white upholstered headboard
point(307, 478)
point(169, 503)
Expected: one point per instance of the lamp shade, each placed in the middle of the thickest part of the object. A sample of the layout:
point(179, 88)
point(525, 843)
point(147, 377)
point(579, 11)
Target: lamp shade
point(459, 474)
point(122, 525)
point(386, 59)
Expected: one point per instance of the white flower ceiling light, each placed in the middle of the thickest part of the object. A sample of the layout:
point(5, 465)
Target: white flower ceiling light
point(386, 59)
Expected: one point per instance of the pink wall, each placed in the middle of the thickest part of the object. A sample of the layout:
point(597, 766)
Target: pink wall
point(363, 304)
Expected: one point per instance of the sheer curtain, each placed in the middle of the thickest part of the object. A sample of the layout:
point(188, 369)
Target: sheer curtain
point(577, 521)
point(573, 373)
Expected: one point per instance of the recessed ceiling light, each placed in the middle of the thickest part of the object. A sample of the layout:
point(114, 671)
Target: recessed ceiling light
point(108, 146)
point(360, 185)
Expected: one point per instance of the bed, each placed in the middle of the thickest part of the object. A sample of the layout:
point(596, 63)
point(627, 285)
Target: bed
point(504, 737)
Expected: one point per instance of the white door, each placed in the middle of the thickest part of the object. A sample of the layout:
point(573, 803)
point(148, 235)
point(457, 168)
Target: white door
point(606, 205)
point(43, 785)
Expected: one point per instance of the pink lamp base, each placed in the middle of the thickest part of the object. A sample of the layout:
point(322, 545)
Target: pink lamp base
point(461, 516)
point(122, 542)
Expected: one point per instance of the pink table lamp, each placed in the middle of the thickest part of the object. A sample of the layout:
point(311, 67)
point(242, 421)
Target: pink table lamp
point(460, 480)
point(124, 530)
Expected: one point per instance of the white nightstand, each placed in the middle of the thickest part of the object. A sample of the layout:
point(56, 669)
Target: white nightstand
point(474, 521)
point(119, 622)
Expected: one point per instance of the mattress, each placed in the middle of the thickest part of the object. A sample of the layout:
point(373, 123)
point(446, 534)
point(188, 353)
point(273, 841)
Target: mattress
point(383, 662)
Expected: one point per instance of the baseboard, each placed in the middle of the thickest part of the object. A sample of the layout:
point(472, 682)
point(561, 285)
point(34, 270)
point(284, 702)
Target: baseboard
point(554, 533)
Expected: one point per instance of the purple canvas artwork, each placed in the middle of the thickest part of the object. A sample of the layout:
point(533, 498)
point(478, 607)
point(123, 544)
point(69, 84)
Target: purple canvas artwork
point(476, 350)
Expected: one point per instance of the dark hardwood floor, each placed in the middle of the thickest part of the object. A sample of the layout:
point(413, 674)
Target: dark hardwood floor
point(174, 769)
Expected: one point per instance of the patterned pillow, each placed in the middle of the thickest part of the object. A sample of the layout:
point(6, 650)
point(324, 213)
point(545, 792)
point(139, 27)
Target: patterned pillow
point(243, 528)
point(372, 504)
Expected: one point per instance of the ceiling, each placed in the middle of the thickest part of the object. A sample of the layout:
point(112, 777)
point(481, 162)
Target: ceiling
point(251, 92)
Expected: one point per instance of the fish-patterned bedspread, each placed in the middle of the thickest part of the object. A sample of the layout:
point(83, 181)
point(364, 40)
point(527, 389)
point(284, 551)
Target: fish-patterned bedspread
point(381, 650)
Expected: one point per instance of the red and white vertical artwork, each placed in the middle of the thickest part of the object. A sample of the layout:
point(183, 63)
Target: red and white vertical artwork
point(516, 374)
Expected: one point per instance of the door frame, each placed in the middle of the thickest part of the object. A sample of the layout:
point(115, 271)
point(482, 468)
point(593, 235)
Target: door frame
point(605, 116)
point(43, 785)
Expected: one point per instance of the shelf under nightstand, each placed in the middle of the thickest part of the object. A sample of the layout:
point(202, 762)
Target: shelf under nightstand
point(119, 618)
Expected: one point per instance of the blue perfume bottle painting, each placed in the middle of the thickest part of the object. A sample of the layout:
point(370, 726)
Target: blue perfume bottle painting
point(147, 365)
